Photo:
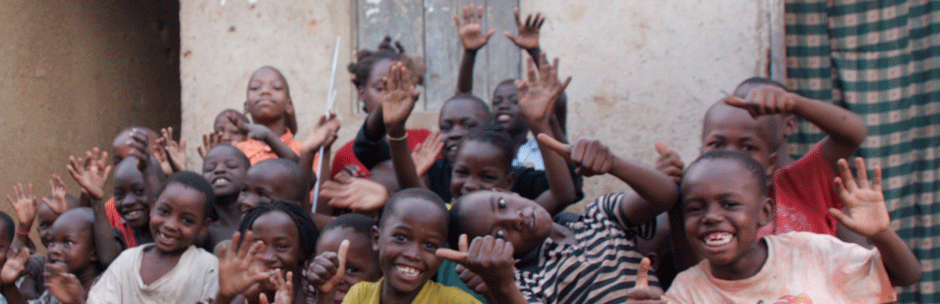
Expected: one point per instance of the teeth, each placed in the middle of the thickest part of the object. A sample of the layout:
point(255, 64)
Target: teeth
point(133, 213)
point(503, 117)
point(220, 181)
point(717, 238)
point(408, 272)
point(452, 148)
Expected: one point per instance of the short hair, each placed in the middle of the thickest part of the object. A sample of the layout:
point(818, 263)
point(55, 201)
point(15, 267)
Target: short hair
point(8, 224)
point(561, 106)
point(742, 89)
point(479, 103)
point(87, 216)
point(366, 60)
point(357, 222)
point(413, 193)
point(195, 181)
point(239, 154)
point(238, 115)
point(748, 163)
point(494, 134)
point(294, 175)
point(306, 230)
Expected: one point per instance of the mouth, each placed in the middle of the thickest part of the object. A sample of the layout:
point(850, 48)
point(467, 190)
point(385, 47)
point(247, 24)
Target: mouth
point(717, 240)
point(503, 118)
point(408, 273)
point(339, 294)
point(165, 239)
point(132, 215)
point(220, 181)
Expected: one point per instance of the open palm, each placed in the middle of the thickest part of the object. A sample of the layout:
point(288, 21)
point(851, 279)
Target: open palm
point(865, 211)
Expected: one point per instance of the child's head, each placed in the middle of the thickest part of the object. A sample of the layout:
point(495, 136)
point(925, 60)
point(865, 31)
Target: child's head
point(506, 107)
point(120, 149)
point(45, 217)
point(520, 221)
point(458, 115)
point(724, 201)
point(225, 168)
point(7, 228)
point(73, 241)
point(362, 261)
point(268, 98)
point(730, 128)
point(273, 178)
point(371, 67)
point(224, 126)
point(133, 194)
point(183, 211)
point(288, 234)
point(484, 161)
point(412, 227)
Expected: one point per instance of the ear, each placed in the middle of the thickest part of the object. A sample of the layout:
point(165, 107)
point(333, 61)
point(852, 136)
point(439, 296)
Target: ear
point(247, 108)
point(289, 108)
point(375, 238)
point(769, 170)
point(790, 126)
point(767, 212)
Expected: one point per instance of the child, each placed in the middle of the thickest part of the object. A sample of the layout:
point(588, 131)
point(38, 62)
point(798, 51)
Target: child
point(225, 167)
point(273, 178)
point(171, 269)
point(277, 236)
point(412, 227)
point(7, 229)
point(724, 202)
point(71, 257)
point(599, 248)
point(268, 101)
point(360, 261)
point(224, 131)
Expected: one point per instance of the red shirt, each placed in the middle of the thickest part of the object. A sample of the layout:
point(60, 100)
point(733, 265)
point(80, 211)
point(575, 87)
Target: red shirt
point(804, 193)
point(346, 157)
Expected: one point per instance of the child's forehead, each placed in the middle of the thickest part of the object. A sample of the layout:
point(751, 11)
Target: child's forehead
point(728, 119)
point(420, 210)
point(269, 73)
point(223, 152)
point(184, 196)
point(464, 107)
point(730, 175)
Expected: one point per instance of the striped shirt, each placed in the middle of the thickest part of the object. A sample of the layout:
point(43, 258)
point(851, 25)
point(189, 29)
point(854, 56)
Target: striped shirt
point(599, 268)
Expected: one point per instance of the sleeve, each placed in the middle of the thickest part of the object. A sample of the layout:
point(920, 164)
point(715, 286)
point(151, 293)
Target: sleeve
point(530, 183)
point(210, 287)
point(370, 152)
point(609, 206)
point(529, 296)
point(856, 270)
point(107, 289)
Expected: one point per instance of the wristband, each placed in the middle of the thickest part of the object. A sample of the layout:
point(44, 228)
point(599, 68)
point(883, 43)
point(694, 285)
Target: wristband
point(22, 233)
point(403, 137)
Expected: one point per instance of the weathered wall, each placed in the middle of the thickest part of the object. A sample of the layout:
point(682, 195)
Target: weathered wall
point(74, 73)
point(643, 70)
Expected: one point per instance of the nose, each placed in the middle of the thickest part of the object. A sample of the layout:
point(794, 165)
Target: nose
point(247, 200)
point(411, 251)
point(54, 248)
point(513, 219)
point(267, 255)
point(472, 184)
point(712, 215)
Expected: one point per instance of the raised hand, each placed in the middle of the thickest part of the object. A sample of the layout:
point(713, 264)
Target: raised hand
point(254, 131)
point(14, 266)
point(176, 152)
point(471, 32)
point(669, 162)
point(159, 153)
point(352, 193)
point(324, 134)
point(285, 289)
point(589, 156)
point(63, 285)
point(865, 211)
point(236, 273)
point(641, 293)
point(25, 205)
point(528, 32)
point(90, 172)
point(426, 153)
point(398, 99)
point(764, 100)
point(328, 269)
point(57, 204)
point(538, 95)
point(209, 140)
point(487, 256)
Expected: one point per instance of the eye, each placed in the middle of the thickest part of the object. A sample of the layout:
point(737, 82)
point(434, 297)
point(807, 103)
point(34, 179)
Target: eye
point(69, 243)
point(139, 191)
point(431, 246)
point(749, 148)
point(501, 203)
point(490, 178)
point(163, 211)
point(499, 234)
point(118, 195)
point(188, 221)
point(729, 204)
point(716, 144)
point(400, 237)
point(352, 270)
point(461, 172)
point(282, 246)
point(445, 127)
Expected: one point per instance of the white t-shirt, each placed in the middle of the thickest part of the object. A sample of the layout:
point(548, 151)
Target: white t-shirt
point(195, 278)
point(801, 267)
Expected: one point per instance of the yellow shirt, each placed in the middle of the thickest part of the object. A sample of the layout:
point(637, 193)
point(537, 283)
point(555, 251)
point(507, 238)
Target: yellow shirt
point(431, 293)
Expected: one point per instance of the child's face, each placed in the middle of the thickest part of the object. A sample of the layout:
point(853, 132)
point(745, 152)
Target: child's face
point(229, 131)
point(506, 108)
point(729, 128)
point(72, 243)
point(268, 97)
point(225, 170)
point(407, 242)
point(281, 243)
point(457, 117)
point(45, 218)
point(262, 186)
point(132, 196)
point(371, 94)
point(362, 262)
point(479, 166)
point(4, 241)
point(522, 222)
point(722, 206)
point(178, 217)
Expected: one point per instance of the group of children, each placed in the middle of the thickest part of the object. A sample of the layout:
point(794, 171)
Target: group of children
point(471, 213)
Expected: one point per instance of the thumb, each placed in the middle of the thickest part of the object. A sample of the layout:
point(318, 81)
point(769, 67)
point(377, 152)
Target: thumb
point(553, 144)
point(510, 36)
point(642, 274)
point(661, 148)
point(454, 255)
point(735, 101)
point(490, 34)
point(842, 217)
point(340, 269)
point(462, 243)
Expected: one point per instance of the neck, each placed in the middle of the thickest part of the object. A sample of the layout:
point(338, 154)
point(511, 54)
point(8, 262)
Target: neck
point(277, 125)
point(391, 296)
point(746, 266)
point(519, 138)
point(143, 235)
point(87, 276)
point(562, 234)
point(226, 209)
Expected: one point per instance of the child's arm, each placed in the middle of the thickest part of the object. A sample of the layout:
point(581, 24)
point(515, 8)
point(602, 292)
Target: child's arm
point(25, 205)
point(398, 100)
point(528, 39)
point(92, 178)
point(262, 133)
point(472, 38)
point(175, 152)
point(865, 213)
point(491, 258)
point(846, 131)
point(324, 134)
point(658, 191)
point(356, 194)
point(12, 271)
point(537, 99)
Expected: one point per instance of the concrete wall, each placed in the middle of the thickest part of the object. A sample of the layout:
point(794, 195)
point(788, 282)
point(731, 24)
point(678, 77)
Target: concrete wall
point(73, 74)
point(643, 70)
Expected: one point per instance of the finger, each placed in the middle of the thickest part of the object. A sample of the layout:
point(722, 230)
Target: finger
point(263, 299)
point(510, 36)
point(562, 149)
point(530, 67)
point(661, 148)
point(876, 179)
point(642, 274)
point(735, 101)
point(528, 20)
point(847, 180)
point(451, 255)
point(515, 14)
point(490, 33)
point(859, 168)
point(457, 21)
point(541, 20)
point(842, 218)
point(462, 243)
point(839, 187)
point(588, 157)
point(341, 256)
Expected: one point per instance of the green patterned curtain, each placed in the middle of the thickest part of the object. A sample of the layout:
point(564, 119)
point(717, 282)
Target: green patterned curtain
point(880, 59)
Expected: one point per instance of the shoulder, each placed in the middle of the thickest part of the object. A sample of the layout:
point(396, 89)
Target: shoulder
point(201, 258)
point(362, 292)
point(449, 294)
point(607, 210)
